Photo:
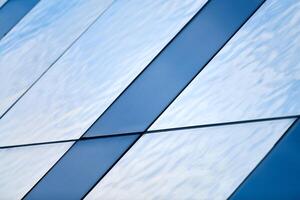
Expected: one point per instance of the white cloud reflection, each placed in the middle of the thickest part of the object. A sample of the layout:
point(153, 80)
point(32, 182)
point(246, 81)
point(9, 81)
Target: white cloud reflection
point(86, 80)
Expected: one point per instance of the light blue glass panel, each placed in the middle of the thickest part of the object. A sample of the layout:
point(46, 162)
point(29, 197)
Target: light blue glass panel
point(22, 167)
point(256, 75)
point(38, 40)
point(87, 79)
point(173, 69)
point(203, 163)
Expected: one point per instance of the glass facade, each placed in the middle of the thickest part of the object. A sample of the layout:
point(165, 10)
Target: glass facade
point(112, 99)
point(281, 166)
point(21, 168)
point(185, 164)
point(39, 40)
point(80, 168)
point(256, 75)
point(95, 70)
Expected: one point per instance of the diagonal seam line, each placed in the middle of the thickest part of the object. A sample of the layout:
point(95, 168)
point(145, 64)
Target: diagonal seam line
point(140, 74)
point(5, 4)
point(179, 91)
point(226, 40)
point(114, 102)
point(54, 62)
point(227, 123)
point(158, 131)
point(2, 7)
point(266, 155)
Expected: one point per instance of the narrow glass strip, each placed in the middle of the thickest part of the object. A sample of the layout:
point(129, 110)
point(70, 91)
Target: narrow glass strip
point(81, 167)
point(277, 176)
point(175, 67)
point(87, 169)
point(256, 75)
point(202, 163)
point(12, 12)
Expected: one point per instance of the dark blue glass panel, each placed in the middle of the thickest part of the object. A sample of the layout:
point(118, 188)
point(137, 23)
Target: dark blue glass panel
point(278, 175)
point(144, 100)
point(175, 67)
point(81, 167)
point(12, 12)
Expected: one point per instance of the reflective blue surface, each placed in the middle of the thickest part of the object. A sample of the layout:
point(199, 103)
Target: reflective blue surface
point(202, 163)
point(174, 68)
point(80, 168)
point(21, 168)
point(38, 40)
point(256, 75)
point(77, 89)
point(277, 177)
point(83, 174)
point(12, 12)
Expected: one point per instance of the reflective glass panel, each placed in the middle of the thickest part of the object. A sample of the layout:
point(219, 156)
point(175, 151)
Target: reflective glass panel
point(21, 168)
point(87, 79)
point(277, 177)
point(11, 12)
point(38, 40)
point(256, 75)
point(172, 70)
point(203, 163)
point(81, 167)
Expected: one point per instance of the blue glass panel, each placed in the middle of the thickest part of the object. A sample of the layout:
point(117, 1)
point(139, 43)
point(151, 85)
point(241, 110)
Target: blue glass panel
point(79, 169)
point(12, 12)
point(78, 88)
point(198, 163)
point(67, 177)
point(175, 67)
point(278, 175)
point(256, 75)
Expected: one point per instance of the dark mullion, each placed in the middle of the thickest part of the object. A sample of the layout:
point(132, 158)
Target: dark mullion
point(225, 123)
point(202, 39)
point(159, 130)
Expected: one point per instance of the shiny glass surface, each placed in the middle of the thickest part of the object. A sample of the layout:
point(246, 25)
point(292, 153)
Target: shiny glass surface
point(277, 177)
point(81, 167)
point(38, 40)
point(172, 70)
point(88, 160)
point(22, 167)
point(12, 12)
point(256, 75)
point(203, 163)
point(87, 79)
